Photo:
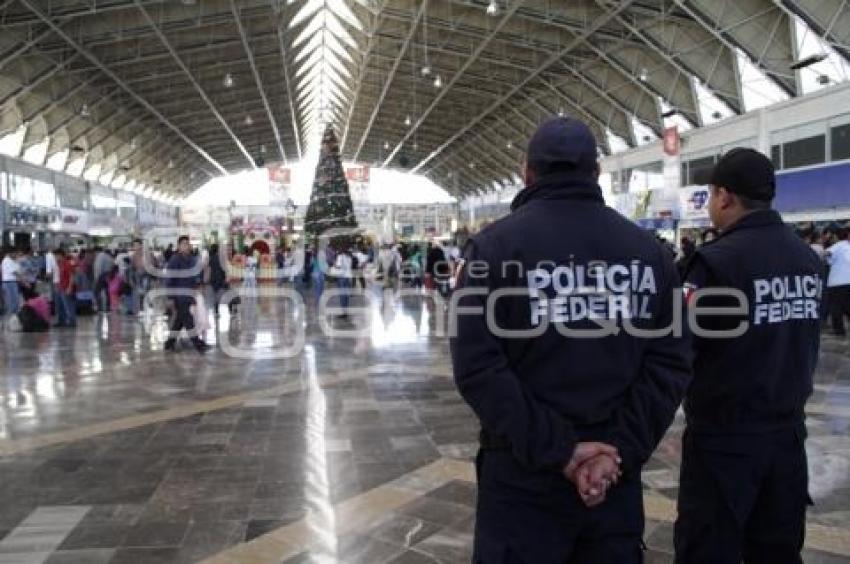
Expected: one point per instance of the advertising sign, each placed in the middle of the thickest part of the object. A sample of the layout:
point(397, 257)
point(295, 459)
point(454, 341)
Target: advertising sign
point(358, 177)
point(357, 173)
point(693, 202)
point(672, 141)
point(72, 221)
point(280, 181)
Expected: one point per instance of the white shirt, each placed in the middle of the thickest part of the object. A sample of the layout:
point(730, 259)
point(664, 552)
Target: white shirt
point(11, 269)
point(838, 257)
point(343, 266)
point(250, 267)
point(52, 267)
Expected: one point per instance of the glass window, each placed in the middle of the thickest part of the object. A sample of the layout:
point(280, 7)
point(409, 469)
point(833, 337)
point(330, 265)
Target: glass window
point(25, 190)
point(698, 169)
point(840, 142)
point(73, 199)
point(804, 152)
point(645, 177)
point(126, 205)
point(103, 200)
point(776, 156)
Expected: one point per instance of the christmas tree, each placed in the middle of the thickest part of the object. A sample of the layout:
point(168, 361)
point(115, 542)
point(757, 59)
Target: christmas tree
point(330, 202)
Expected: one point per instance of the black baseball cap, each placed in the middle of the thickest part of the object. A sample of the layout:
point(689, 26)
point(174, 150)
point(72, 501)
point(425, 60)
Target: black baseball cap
point(561, 143)
point(745, 172)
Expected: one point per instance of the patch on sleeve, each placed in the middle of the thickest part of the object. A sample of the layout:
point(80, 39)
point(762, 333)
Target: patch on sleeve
point(690, 290)
point(457, 276)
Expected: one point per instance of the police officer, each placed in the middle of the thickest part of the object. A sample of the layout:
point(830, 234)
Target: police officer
point(743, 485)
point(572, 396)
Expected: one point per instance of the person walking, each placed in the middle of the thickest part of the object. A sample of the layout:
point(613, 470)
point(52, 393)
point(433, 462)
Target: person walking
point(743, 486)
point(102, 266)
point(218, 277)
point(319, 268)
point(181, 276)
point(344, 272)
point(12, 278)
point(569, 416)
point(51, 270)
point(66, 304)
point(249, 281)
point(838, 283)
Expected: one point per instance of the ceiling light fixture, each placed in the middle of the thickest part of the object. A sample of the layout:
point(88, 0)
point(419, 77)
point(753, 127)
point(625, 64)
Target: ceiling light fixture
point(386, 145)
point(492, 8)
point(643, 75)
point(408, 121)
point(84, 110)
point(426, 70)
point(228, 80)
point(510, 145)
point(438, 82)
point(249, 120)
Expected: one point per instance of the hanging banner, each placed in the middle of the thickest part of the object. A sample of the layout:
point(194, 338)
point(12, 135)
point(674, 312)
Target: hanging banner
point(357, 173)
point(280, 181)
point(358, 177)
point(672, 141)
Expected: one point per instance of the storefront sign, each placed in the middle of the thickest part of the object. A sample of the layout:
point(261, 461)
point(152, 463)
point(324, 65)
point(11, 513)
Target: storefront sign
point(72, 221)
point(30, 216)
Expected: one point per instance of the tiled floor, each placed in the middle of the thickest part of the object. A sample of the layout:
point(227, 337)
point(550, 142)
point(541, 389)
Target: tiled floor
point(355, 450)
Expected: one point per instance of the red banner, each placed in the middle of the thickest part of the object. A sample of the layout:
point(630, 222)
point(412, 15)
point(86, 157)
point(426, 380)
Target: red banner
point(359, 173)
point(672, 141)
point(280, 174)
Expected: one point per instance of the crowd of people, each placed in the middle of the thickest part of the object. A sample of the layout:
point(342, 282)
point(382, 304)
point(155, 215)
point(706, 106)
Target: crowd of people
point(54, 287)
point(51, 289)
point(70, 283)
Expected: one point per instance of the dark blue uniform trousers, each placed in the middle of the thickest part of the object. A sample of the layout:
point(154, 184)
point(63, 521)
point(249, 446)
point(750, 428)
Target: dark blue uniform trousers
point(537, 517)
point(742, 498)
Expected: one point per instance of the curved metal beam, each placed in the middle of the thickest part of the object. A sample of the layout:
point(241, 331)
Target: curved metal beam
point(401, 53)
point(195, 83)
point(469, 62)
point(554, 58)
point(250, 55)
point(32, 7)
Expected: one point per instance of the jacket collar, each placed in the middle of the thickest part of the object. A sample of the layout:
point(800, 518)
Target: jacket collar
point(758, 218)
point(561, 186)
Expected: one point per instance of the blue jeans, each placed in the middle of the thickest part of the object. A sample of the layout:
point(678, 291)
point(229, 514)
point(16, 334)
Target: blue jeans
point(344, 284)
point(11, 298)
point(66, 309)
point(318, 284)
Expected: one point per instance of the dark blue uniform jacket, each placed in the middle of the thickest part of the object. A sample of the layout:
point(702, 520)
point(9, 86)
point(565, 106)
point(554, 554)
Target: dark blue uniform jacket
point(569, 258)
point(759, 381)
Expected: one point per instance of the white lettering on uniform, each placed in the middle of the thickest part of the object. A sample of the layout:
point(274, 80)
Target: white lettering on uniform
point(786, 298)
